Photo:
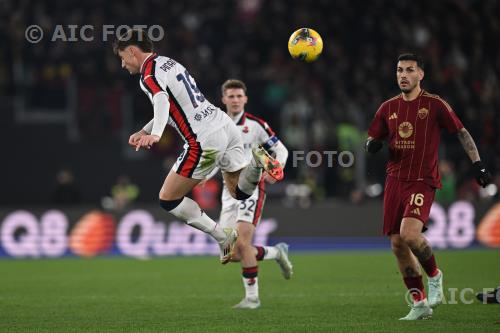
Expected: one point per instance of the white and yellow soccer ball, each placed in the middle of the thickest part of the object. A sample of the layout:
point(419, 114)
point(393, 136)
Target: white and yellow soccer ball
point(305, 44)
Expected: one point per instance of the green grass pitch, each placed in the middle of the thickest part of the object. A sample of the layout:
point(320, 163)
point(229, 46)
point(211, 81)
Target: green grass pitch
point(330, 292)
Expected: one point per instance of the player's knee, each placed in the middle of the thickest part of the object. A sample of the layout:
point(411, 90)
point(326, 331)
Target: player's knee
point(164, 195)
point(242, 246)
point(170, 205)
point(399, 248)
point(409, 238)
point(244, 241)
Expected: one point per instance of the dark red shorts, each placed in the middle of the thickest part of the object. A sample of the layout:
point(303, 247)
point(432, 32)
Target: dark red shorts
point(406, 199)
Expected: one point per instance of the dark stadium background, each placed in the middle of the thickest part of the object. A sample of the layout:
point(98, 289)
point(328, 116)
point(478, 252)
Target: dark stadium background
point(91, 105)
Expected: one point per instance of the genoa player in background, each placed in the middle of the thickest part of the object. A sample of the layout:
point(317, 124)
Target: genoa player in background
point(245, 215)
point(411, 123)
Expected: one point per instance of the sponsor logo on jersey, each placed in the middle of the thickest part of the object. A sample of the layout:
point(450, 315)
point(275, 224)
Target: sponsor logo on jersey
point(204, 113)
point(404, 144)
point(405, 129)
point(393, 116)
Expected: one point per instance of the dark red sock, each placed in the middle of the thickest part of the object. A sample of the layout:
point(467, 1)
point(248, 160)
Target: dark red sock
point(260, 253)
point(416, 286)
point(430, 266)
point(250, 272)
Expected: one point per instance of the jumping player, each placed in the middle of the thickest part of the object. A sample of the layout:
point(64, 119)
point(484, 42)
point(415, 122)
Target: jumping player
point(211, 138)
point(245, 215)
point(411, 123)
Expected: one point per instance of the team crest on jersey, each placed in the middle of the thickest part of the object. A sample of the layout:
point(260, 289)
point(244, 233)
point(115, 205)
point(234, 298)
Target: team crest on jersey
point(405, 130)
point(245, 129)
point(422, 113)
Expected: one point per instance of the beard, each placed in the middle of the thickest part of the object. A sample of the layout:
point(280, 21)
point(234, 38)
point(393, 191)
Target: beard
point(407, 89)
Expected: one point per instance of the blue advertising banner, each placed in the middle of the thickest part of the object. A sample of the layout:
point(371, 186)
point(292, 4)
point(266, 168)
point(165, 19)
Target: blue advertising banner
point(147, 231)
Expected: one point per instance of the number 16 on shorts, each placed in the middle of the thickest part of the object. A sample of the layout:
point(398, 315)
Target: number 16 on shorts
point(417, 199)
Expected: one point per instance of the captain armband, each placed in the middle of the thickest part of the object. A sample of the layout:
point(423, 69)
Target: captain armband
point(270, 143)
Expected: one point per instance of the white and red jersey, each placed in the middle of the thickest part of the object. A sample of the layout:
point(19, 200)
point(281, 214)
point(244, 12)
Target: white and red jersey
point(190, 113)
point(254, 132)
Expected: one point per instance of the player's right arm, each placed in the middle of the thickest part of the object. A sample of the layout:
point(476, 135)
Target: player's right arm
point(153, 130)
point(134, 138)
point(146, 130)
point(377, 132)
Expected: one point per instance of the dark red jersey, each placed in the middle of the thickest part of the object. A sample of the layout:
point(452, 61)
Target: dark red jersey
point(413, 132)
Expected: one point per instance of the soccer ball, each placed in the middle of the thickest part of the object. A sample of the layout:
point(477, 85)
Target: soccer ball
point(305, 44)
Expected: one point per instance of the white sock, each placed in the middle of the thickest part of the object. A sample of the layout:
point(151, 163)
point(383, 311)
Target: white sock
point(189, 212)
point(251, 287)
point(271, 253)
point(249, 179)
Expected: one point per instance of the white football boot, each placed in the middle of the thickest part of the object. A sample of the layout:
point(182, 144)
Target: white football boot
point(227, 246)
point(285, 264)
point(248, 303)
point(419, 310)
point(435, 290)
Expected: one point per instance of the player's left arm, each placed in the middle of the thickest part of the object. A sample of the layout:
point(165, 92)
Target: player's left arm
point(448, 119)
point(278, 149)
point(482, 175)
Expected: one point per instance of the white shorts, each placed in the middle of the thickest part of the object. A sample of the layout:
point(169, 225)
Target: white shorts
point(222, 148)
point(249, 210)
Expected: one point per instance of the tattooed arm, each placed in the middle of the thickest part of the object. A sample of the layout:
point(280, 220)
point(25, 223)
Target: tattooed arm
point(482, 176)
point(469, 145)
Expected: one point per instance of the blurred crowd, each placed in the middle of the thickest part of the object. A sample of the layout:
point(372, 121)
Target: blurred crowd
point(326, 105)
